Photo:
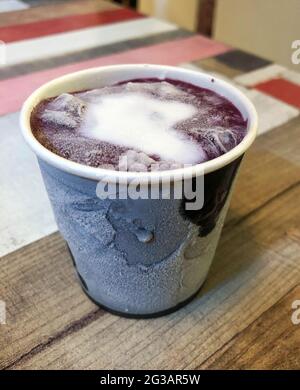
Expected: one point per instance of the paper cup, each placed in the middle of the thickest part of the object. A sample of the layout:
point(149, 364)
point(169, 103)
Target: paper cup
point(139, 257)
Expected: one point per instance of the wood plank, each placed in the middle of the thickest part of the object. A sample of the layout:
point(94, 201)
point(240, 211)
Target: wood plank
point(262, 74)
point(271, 342)
point(87, 54)
point(20, 32)
point(24, 197)
point(269, 167)
point(47, 304)
point(167, 53)
point(213, 65)
point(49, 11)
point(46, 47)
point(253, 269)
point(243, 60)
point(282, 141)
point(11, 5)
point(42, 297)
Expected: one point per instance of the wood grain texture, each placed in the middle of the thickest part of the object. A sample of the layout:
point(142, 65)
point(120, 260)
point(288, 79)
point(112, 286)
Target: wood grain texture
point(253, 269)
point(23, 197)
point(212, 65)
point(87, 54)
point(242, 60)
point(42, 297)
point(20, 32)
point(271, 342)
point(166, 53)
point(51, 324)
point(270, 167)
point(76, 40)
point(242, 317)
point(49, 11)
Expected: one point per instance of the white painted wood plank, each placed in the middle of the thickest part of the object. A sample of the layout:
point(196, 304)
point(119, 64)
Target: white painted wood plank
point(292, 76)
point(271, 112)
point(12, 5)
point(267, 73)
point(260, 75)
point(64, 43)
point(25, 212)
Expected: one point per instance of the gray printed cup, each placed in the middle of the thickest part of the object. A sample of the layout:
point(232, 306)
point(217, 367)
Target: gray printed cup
point(139, 256)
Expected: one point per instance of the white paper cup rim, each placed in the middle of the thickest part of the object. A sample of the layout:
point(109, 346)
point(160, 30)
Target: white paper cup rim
point(101, 76)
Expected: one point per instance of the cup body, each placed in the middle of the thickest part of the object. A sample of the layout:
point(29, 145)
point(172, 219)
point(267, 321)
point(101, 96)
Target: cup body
point(139, 257)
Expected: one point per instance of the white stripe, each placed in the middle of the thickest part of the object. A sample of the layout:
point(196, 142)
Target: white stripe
point(268, 73)
point(292, 76)
point(12, 5)
point(271, 112)
point(64, 43)
point(25, 212)
point(260, 75)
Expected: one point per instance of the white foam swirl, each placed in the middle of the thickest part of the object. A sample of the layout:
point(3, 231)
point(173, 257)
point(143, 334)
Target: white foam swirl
point(141, 122)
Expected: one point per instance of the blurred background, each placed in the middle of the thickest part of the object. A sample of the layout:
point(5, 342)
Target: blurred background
point(266, 28)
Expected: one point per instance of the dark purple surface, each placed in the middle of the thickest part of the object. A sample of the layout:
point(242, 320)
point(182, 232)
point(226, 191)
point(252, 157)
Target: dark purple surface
point(218, 131)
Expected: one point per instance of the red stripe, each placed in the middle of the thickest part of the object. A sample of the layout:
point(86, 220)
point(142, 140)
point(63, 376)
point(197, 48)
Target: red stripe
point(167, 53)
point(281, 89)
point(68, 23)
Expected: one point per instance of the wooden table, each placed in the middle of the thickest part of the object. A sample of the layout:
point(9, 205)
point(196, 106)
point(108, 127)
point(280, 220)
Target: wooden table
point(243, 316)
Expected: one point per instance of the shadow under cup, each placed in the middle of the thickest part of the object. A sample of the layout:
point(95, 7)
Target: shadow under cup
point(139, 257)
